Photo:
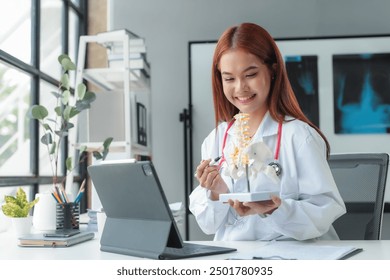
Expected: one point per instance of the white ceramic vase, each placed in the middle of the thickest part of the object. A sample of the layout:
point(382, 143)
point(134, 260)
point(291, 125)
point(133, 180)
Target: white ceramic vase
point(22, 226)
point(44, 217)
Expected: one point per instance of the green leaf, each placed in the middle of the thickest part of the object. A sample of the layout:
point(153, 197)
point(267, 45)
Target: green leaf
point(89, 97)
point(46, 127)
point(66, 62)
point(65, 81)
point(69, 164)
point(9, 199)
point(62, 56)
point(106, 146)
point(53, 148)
point(58, 110)
point(65, 97)
point(81, 90)
point(21, 197)
point(66, 126)
point(81, 105)
point(73, 112)
point(67, 112)
point(56, 94)
point(61, 133)
point(107, 143)
point(38, 112)
point(97, 155)
point(46, 139)
point(11, 210)
point(105, 154)
point(18, 206)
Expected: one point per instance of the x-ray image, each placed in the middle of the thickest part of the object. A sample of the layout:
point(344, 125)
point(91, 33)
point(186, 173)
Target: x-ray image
point(361, 93)
point(303, 75)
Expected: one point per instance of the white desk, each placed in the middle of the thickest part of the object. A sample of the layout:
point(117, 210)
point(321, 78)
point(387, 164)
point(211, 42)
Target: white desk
point(90, 250)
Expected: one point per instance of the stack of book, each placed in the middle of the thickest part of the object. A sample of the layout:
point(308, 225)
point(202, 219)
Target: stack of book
point(138, 63)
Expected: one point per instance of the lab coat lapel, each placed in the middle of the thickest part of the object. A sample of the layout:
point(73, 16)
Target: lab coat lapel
point(268, 127)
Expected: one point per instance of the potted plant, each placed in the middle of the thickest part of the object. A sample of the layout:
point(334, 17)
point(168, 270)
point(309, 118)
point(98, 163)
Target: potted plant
point(18, 209)
point(56, 129)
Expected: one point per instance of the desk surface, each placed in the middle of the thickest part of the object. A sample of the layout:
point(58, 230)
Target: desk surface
point(90, 250)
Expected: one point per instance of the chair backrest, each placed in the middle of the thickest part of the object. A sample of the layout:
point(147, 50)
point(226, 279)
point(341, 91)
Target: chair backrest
point(361, 180)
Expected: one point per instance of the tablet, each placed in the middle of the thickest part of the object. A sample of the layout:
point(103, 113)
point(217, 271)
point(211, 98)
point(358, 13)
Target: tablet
point(248, 197)
point(62, 233)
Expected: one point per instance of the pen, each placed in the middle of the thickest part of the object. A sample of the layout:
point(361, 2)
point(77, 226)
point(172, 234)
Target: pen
point(271, 258)
point(212, 162)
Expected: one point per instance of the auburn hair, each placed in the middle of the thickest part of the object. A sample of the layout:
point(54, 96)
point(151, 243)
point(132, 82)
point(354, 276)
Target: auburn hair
point(281, 100)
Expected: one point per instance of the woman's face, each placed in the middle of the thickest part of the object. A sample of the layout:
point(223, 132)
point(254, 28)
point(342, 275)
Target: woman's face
point(246, 81)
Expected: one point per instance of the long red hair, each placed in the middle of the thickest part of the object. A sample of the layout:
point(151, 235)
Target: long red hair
point(257, 41)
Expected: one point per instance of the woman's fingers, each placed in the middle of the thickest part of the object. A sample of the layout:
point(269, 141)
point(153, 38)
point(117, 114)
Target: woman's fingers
point(201, 167)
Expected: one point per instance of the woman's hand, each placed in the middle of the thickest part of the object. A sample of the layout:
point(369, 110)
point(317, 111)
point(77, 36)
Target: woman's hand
point(256, 207)
point(209, 178)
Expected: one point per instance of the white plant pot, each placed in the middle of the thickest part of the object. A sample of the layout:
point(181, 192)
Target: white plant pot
point(22, 226)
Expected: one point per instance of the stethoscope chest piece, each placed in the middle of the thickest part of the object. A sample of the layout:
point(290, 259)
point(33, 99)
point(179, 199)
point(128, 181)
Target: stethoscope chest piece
point(276, 166)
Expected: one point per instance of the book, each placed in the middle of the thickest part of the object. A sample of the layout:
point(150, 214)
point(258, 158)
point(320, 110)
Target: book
point(116, 61)
point(246, 197)
point(118, 32)
point(299, 250)
point(136, 43)
point(40, 240)
point(117, 48)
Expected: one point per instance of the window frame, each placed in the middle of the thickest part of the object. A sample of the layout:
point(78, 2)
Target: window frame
point(33, 70)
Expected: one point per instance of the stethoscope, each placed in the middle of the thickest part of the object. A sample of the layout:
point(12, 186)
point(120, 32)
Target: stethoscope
point(274, 164)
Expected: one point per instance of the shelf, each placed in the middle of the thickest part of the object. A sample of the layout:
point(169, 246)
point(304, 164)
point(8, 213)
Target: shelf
point(111, 79)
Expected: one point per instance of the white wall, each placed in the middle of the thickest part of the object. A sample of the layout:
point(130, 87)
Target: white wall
point(169, 25)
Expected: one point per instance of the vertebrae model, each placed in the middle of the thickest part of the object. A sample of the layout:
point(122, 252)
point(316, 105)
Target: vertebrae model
point(240, 155)
point(247, 157)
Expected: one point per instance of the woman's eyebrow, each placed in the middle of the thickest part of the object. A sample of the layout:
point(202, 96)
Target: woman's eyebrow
point(245, 70)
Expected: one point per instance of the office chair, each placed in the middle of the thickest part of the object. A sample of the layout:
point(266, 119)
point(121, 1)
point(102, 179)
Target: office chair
point(361, 180)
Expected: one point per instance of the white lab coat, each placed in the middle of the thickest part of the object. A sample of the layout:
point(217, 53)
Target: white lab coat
point(310, 199)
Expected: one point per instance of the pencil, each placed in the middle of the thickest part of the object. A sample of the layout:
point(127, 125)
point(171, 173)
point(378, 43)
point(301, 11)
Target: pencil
point(81, 190)
point(55, 197)
point(64, 193)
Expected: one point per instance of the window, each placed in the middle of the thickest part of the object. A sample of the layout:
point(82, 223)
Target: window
point(33, 34)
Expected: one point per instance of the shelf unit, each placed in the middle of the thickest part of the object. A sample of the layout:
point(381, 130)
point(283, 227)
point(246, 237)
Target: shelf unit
point(124, 84)
point(122, 106)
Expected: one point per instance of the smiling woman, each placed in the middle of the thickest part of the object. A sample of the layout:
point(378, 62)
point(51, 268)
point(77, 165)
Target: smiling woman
point(246, 82)
point(249, 78)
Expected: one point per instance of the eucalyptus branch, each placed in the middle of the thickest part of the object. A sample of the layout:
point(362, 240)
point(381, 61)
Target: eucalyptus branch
point(64, 111)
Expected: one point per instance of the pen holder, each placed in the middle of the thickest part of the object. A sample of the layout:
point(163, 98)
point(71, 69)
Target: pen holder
point(67, 215)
